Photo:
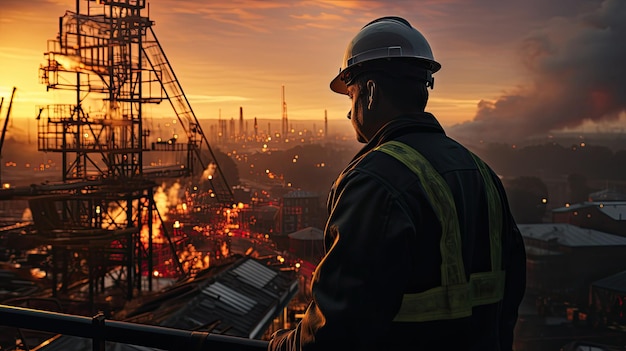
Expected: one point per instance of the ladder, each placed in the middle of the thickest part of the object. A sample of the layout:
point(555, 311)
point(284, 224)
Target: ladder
point(199, 149)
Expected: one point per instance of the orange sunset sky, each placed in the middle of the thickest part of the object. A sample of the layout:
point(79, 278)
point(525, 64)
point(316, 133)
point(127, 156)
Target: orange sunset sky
point(509, 68)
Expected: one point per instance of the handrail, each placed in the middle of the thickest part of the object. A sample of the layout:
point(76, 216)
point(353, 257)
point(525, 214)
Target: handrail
point(100, 330)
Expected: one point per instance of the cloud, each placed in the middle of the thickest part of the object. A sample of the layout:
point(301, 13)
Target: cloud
point(199, 99)
point(576, 73)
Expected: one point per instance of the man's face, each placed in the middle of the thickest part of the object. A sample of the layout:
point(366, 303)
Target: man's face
point(356, 114)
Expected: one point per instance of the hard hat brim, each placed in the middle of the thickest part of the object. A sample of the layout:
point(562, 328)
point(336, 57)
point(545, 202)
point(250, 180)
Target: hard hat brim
point(338, 85)
point(417, 68)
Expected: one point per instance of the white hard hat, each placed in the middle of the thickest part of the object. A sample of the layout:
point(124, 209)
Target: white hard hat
point(382, 40)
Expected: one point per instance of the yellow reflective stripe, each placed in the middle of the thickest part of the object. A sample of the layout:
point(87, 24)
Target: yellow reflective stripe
point(442, 302)
point(453, 301)
point(456, 297)
point(495, 215)
point(487, 287)
point(440, 196)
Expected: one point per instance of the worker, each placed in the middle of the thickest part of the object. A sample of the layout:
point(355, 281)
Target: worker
point(422, 251)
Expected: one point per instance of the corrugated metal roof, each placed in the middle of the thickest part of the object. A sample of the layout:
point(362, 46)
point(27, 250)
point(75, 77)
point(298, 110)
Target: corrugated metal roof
point(240, 302)
point(255, 274)
point(615, 210)
point(570, 235)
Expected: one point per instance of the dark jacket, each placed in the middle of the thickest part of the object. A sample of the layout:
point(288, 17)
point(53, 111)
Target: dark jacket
point(382, 240)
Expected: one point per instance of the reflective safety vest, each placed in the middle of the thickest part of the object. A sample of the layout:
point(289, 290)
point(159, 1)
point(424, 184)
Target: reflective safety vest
point(456, 296)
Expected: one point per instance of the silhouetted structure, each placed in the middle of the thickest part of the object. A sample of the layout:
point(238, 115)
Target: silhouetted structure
point(103, 214)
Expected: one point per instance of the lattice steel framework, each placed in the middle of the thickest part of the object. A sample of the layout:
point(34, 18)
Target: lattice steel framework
point(107, 55)
point(110, 56)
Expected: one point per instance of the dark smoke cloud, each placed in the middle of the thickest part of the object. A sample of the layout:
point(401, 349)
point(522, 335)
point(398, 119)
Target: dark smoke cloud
point(576, 69)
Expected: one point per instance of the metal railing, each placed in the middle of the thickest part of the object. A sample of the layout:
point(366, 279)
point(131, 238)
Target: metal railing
point(99, 329)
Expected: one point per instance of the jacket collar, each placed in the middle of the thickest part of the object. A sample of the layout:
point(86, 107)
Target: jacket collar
point(423, 122)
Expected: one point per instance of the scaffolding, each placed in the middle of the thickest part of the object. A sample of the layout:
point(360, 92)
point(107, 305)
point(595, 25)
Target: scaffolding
point(108, 54)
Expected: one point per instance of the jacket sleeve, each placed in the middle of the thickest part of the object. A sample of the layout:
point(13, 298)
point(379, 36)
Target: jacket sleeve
point(514, 259)
point(515, 286)
point(358, 286)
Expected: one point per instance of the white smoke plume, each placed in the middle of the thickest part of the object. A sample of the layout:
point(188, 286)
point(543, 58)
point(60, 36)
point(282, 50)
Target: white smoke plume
point(161, 201)
point(209, 172)
point(577, 74)
point(173, 194)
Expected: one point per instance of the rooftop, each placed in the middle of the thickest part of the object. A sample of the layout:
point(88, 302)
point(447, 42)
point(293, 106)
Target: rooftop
point(570, 235)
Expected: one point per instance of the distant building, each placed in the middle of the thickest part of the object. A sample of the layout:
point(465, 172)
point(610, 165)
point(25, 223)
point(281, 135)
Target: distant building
point(299, 209)
point(307, 244)
point(563, 260)
point(242, 194)
point(608, 300)
point(265, 218)
point(609, 194)
point(605, 216)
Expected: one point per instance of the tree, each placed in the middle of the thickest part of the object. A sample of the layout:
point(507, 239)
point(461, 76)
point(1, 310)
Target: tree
point(528, 197)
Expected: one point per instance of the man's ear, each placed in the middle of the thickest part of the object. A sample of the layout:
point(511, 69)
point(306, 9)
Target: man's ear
point(371, 94)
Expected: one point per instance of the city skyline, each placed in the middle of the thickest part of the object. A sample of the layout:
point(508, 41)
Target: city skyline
point(509, 69)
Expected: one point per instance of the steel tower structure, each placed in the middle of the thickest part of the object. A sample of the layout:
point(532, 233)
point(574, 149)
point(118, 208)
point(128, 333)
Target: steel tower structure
point(107, 55)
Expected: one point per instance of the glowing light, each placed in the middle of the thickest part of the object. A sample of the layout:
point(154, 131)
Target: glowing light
point(37, 273)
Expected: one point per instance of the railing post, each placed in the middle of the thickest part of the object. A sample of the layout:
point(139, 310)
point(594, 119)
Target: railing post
point(98, 341)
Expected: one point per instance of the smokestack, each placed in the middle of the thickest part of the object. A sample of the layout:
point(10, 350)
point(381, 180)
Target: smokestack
point(325, 124)
point(285, 125)
point(241, 132)
point(256, 128)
